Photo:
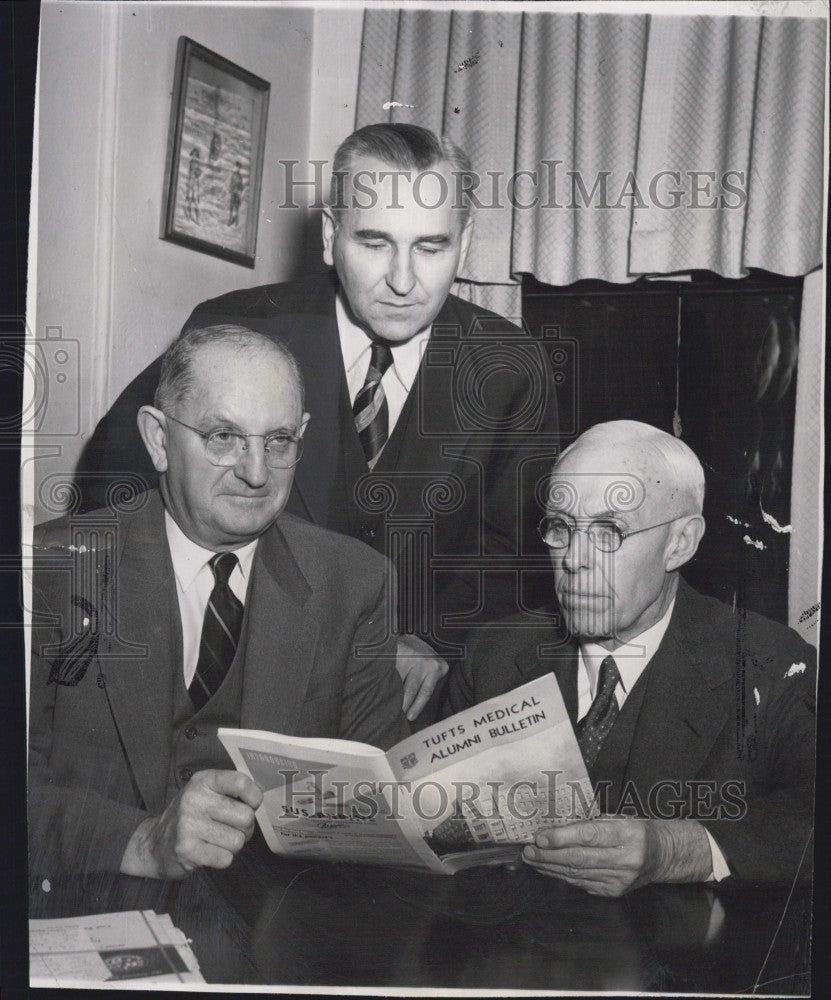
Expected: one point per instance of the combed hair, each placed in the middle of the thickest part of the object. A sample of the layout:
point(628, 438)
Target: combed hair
point(176, 378)
point(680, 460)
point(406, 147)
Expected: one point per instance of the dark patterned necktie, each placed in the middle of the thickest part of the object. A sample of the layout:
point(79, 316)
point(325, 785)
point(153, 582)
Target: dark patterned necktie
point(220, 632)
point(370, 408)
point(594, 727)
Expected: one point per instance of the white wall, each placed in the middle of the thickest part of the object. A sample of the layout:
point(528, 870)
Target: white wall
point(336, 58)
point(104, 278)
point(334, 85)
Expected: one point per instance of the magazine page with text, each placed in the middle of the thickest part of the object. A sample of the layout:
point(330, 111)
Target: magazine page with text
point(327, 799)
point(487, 779)
point(466, 791)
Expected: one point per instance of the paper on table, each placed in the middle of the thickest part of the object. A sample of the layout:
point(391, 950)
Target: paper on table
point(110, 947)
point(63, 951)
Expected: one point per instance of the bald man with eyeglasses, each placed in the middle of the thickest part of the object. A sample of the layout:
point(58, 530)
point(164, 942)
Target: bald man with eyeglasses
point(203, 604)
point(696, 721)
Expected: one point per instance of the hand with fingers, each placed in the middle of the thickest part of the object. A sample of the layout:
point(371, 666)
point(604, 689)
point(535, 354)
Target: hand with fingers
point(420, 669)
point(206, 825)
point(611, 855)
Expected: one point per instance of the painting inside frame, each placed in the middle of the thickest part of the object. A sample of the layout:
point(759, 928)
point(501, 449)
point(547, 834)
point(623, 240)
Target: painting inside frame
point(215, 155)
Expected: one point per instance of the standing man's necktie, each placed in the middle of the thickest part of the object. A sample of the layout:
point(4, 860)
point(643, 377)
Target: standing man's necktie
point(594, 727)
point(220, 632)
point(370, 408)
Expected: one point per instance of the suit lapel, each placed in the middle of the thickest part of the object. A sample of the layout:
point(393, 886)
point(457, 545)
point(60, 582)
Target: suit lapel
point(280, 638)
point(435, 396)
point(420, 437)
point(429, 438)
point(139, 686)
point(544, 655)
point(684, 708)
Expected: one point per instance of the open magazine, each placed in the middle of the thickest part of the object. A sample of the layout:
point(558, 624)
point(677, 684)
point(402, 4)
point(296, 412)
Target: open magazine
point(467, 791)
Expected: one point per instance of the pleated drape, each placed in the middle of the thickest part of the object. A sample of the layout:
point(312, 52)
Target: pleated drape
point(610, 146)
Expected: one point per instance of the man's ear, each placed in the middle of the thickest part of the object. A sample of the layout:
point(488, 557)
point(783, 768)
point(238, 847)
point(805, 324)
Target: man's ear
point(329, 226)
point(152, 425)
point(467, 235)
point(687, 533)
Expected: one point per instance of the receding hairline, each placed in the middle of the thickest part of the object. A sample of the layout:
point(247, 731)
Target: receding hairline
point(176, 380)
point(400, 146)
point(655, 451)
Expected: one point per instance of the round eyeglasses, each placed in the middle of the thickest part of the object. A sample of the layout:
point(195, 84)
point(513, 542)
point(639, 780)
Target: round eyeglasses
point(606, 536)
point(226, 448)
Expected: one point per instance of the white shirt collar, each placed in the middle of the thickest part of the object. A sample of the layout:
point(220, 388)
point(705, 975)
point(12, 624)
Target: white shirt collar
point(356, 346)
point(631, 657)
point(189, 559)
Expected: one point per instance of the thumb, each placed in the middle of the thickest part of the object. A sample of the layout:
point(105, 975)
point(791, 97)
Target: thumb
point(412, 683)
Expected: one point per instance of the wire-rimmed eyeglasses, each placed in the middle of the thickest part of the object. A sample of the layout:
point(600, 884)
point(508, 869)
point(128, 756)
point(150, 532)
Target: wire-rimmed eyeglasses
point(606, 536)
point(226, 448)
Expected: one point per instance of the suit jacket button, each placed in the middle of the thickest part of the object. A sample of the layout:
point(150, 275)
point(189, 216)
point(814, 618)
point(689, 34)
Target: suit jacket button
point(191, 732)
point(185, 773)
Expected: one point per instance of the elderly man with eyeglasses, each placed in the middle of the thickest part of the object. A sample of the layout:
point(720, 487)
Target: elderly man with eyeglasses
point(201, 605)
point(696, 720)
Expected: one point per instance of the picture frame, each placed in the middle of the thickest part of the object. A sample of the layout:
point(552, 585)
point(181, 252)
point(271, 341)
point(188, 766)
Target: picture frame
point(216, 142)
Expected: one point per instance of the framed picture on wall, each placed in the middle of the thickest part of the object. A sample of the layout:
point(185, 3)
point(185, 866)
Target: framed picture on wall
point(215, 151)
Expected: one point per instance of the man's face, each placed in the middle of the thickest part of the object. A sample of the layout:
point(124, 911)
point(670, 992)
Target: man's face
point(611, 596)
point(250, 392)
point(396, 258)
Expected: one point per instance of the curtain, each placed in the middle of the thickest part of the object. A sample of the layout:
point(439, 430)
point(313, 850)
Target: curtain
point(735, 96)
point(587, 129)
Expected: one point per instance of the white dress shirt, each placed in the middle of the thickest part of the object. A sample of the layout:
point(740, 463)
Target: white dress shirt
point(632, 659)
point(194, 583)
point(398, 379)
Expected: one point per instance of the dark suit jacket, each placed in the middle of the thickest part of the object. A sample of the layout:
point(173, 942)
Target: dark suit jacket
point(103, 666)
point(456, 479)
point(727, 697)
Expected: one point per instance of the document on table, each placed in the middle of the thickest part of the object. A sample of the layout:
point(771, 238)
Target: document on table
point(112, 948)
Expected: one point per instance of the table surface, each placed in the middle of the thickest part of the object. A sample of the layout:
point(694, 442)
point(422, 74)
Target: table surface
point(265, 921)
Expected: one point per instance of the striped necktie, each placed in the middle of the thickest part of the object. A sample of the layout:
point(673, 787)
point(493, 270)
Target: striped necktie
point(594, 727)
point(220, 632)
point(370, 408)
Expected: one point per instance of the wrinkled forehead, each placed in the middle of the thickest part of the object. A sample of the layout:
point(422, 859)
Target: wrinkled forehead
point(595, 494)
point(610, 481)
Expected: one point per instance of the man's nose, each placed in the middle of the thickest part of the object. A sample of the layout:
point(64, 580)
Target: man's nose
point(252, 468)
point(578, 551)
point(401, 276)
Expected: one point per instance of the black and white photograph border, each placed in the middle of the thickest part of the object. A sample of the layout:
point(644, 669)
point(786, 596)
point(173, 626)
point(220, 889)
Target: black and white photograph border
point(694, 233)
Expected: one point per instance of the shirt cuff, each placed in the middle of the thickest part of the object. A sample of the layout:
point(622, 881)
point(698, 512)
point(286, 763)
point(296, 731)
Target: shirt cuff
point(720, 867)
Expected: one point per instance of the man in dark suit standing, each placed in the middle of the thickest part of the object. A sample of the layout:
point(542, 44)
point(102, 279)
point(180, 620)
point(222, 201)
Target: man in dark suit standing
point(696, 721)
point(430, 417)
point(198, 606)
